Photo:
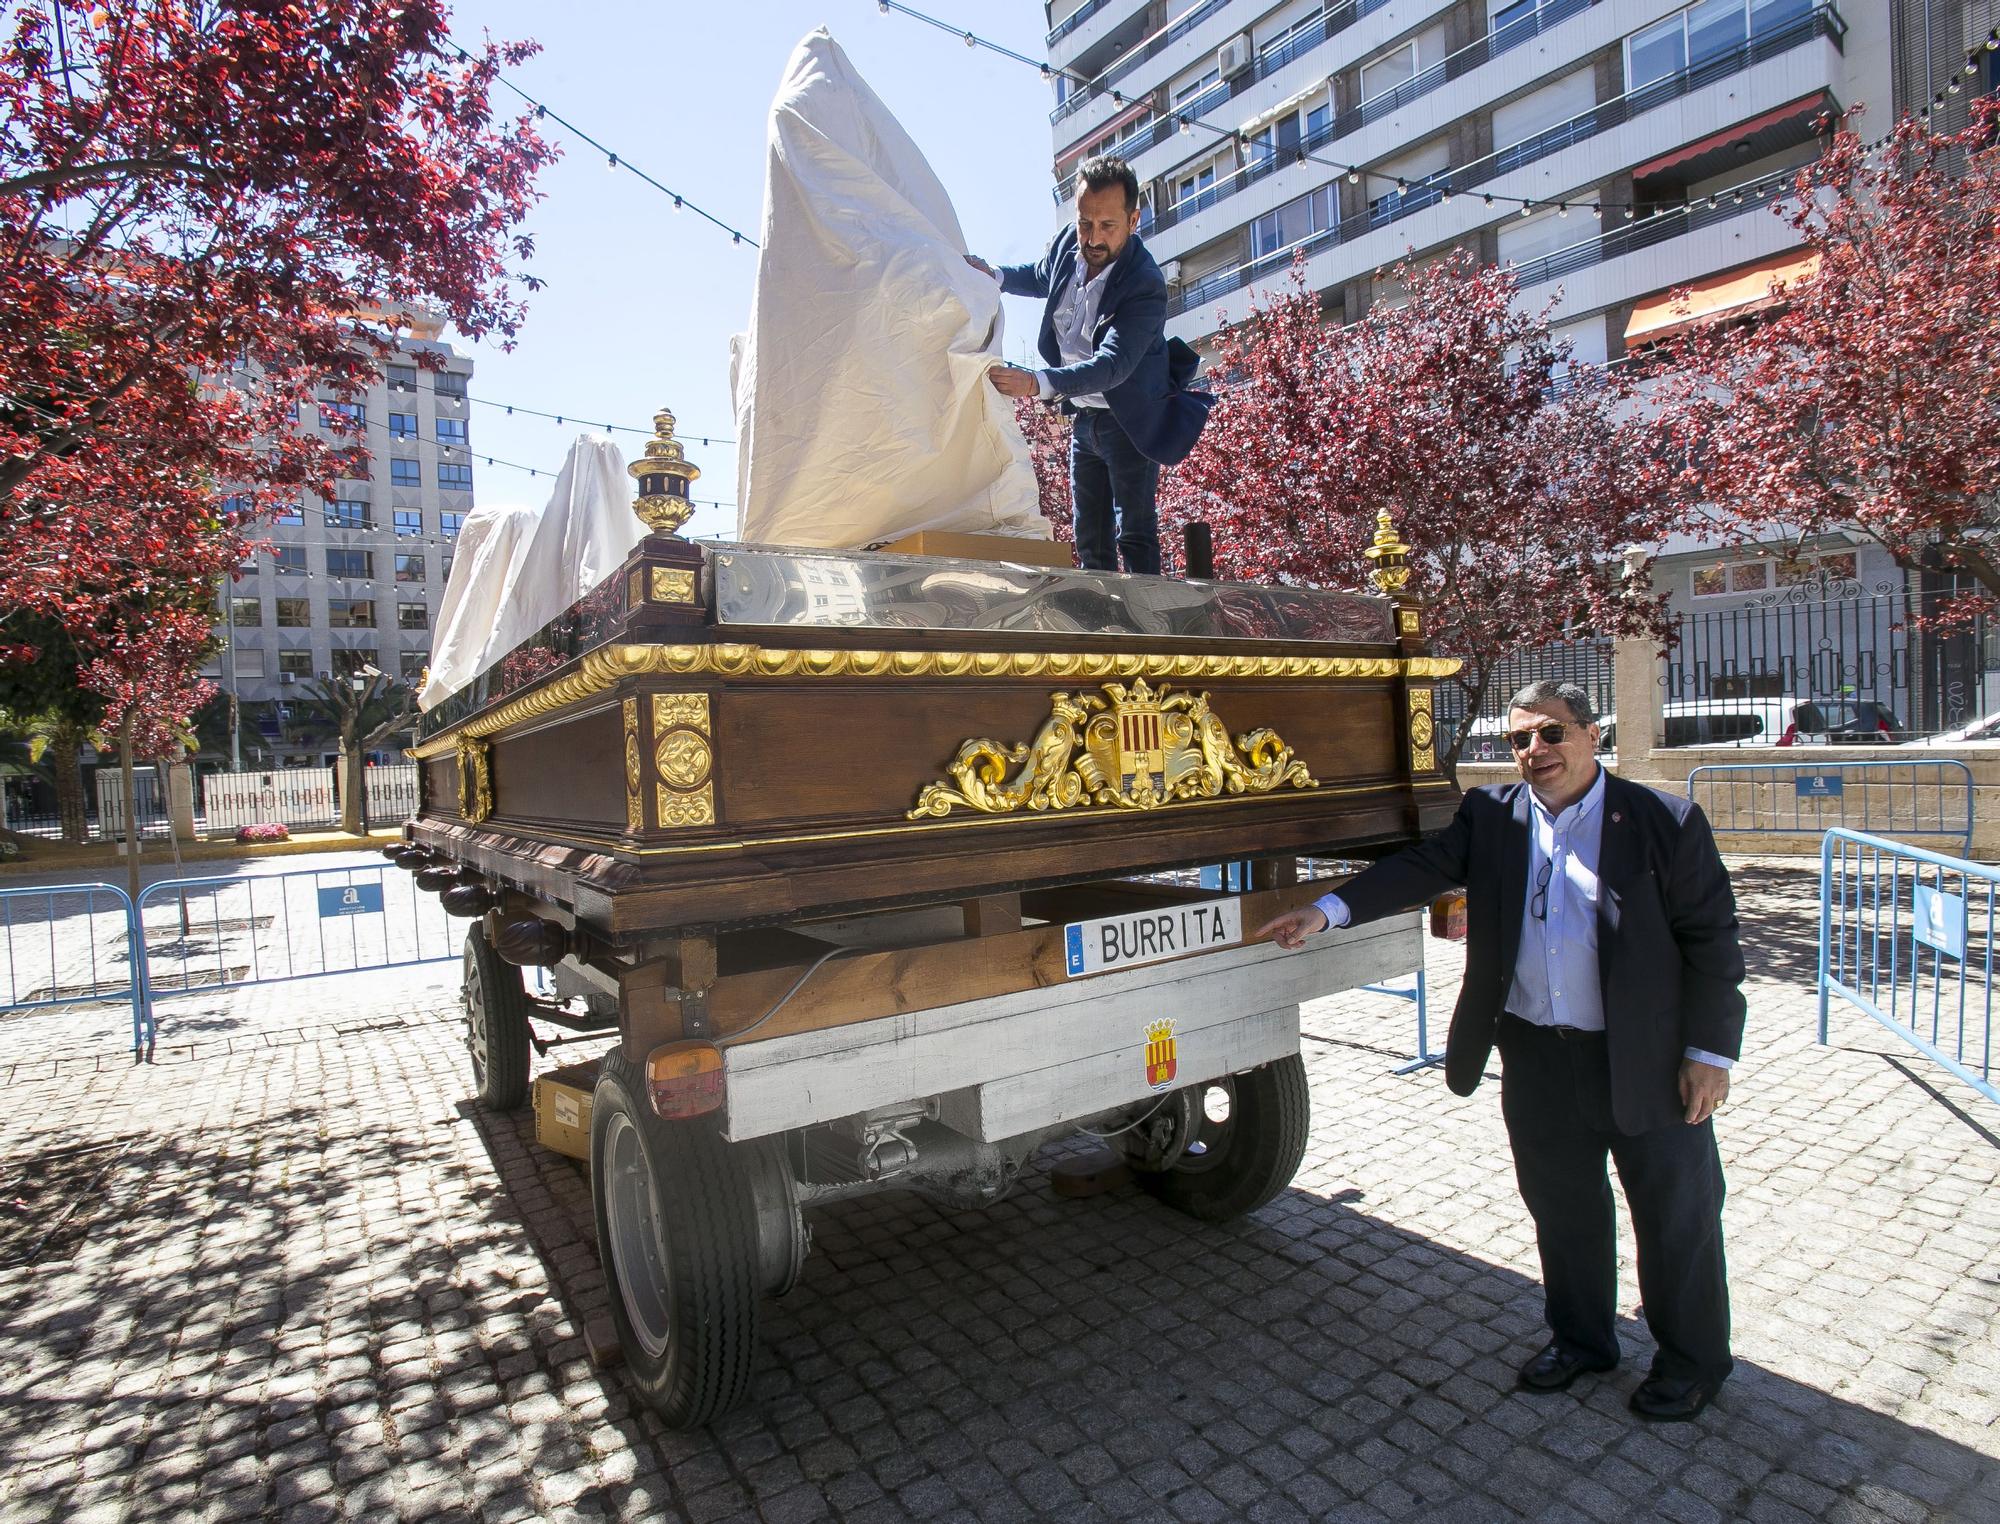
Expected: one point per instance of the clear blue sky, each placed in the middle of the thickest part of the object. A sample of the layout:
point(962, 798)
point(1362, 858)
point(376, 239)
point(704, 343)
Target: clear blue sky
point(641, 301)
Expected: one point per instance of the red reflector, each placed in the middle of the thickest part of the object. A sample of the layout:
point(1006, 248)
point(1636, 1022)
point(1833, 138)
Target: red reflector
point(684, 1079)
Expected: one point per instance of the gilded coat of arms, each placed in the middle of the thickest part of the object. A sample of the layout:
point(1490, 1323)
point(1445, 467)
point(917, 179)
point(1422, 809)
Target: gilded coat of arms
point(1137, 750)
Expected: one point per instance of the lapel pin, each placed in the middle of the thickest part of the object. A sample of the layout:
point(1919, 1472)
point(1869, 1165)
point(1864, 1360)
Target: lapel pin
point(1616, 818)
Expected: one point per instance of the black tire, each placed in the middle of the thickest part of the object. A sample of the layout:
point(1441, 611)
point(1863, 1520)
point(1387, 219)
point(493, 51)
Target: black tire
point(677, 1235)
point(1235, 1165)
point(496, 1024)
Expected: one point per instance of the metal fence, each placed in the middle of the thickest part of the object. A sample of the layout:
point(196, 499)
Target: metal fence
point(1906, 937)
point(214, 933)
point(1586, 662)
point(1928, 798)
point(73, 945)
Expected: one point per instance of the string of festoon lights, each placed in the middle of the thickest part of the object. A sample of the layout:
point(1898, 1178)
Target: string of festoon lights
point(685, 435)
point(613, 160)
point(1439, 180)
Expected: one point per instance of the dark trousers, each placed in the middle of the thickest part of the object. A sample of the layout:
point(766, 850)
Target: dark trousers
point(1112, 495)
point(1556, 1096)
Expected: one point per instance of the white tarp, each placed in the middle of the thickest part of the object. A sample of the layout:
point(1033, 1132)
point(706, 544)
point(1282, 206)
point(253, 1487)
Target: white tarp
point(517, 567)
point(863, 412)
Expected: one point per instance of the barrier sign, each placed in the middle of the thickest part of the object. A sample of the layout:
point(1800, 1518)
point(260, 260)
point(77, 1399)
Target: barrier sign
point(1818, 785)
point(351, 899)
point(1941, 921)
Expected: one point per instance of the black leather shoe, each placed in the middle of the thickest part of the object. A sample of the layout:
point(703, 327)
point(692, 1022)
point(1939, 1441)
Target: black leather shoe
point(1667, 1399)
point(1555, 1368)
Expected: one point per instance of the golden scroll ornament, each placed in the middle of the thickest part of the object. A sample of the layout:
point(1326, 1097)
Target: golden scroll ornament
point(1141, 749)
point(635, 809)
point(475, 779)
point(1423, 732)
point(683, 759)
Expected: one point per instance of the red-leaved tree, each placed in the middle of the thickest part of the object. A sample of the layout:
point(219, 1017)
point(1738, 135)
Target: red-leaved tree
point(1869, 398)
point(1047, 433)
point(208, 211)
point(1517, 495)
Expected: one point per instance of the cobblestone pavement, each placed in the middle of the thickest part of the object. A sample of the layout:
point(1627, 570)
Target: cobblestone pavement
point(301, 1278)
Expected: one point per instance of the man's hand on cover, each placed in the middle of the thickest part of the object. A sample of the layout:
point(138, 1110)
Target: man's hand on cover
point(1013, 381)
point(981, 265)
point(1291, 929)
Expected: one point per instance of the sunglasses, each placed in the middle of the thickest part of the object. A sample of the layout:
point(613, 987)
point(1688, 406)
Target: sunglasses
point(1552, 735)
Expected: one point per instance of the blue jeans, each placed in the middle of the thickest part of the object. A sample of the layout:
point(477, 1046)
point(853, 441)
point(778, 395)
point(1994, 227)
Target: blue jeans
point(1112, 494)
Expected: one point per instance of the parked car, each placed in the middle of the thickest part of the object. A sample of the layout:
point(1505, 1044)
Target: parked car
point(1843, 722)
point(1729, 722)
point(1985, 728)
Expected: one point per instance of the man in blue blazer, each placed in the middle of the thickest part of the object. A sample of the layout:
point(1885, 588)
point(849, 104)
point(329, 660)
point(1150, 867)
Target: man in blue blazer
point(1601, 958)
point(1111, 366)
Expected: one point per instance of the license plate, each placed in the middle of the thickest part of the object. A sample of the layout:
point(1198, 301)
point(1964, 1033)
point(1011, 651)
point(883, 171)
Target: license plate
point(1150, 936)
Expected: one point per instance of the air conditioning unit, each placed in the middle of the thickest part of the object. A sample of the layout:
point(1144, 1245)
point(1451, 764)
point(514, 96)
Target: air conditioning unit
point(1234, 56)
point(288, 677)
point(1171, 269)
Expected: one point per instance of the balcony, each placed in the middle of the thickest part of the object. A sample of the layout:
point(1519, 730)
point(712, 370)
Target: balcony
point(1331, 24)
point(1658, 226)
point(1152, 47)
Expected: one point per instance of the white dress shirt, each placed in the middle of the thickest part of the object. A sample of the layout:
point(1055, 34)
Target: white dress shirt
point(1075, 323)
point(1555, 971)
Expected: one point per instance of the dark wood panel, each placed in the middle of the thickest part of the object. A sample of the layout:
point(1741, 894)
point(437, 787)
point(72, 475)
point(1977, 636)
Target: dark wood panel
point(569, 772)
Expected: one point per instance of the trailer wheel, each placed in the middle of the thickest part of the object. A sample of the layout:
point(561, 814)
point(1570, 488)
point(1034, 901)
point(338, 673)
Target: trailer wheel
point(496, 1024)
point(1250, 1136)
point(677, 1233)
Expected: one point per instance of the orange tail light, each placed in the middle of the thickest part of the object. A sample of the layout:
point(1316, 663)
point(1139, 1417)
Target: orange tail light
point(684, 1079)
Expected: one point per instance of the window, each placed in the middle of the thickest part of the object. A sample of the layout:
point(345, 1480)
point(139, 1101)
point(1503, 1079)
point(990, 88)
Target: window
point(342, 416)
point(1715, 27)
point(248, 661)
point(402, 425)
point(1189, 186)
point(413, 616)
point(1701, 32)
point(1383, 74)
point(294, 614)
point(448, 525)
point(1195, 87)
point(1302, 35)
point(236, 502)
point(402, 378)
point(1292, 223)
point(298, 663)
point(351, 660)
point(410, 521)
point(349, 563)
point(1731, 577)
point(406, 473)
point(290, 513)
point(246, 613)
point(1319, 118)
point(288, 559)
point(455, 478)
point(409, 568)
point(449, 383)
point(350, 613)
point(346, 513)
point(444, 567)
point(413, 664)
point(1837, 567)
point(451, 431)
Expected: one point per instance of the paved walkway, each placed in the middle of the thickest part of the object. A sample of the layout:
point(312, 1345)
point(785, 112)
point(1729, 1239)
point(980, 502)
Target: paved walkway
point(288, 1272)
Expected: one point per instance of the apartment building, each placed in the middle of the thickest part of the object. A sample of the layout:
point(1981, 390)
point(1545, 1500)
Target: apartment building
point(1650, 137)
point(352, 582)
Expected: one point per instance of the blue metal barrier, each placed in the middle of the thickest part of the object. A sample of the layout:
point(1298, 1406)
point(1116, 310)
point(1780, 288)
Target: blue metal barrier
point(1421, 995)
point(1882, 906)
point(1932, 797)
point(216, 933)
point(65, 946)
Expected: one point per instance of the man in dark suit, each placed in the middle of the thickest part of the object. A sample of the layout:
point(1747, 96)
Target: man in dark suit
point(1111, 366)
point(1601, 959)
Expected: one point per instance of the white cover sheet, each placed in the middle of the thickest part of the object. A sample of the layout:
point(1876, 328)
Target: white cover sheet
point(517, 567)
point(863, 412)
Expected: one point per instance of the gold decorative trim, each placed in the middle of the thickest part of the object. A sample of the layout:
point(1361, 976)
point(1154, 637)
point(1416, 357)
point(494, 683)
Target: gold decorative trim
point(475, 779)
point(1141, 750)
point(635, 808)
point(672, 586)
point(1423, 733)
point(683, 760)
point(1409, 622)
point(608, 665)
point(635, 590)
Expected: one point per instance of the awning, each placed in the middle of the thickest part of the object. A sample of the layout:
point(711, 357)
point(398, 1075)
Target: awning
point(1075, 150)
point(1807, 107)
point(1730, 294)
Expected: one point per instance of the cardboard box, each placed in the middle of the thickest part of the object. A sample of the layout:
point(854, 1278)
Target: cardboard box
point(562, 1109)
point(983, 547)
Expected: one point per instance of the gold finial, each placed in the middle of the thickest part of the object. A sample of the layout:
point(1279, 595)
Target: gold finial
point(663, 474)
point(1390, 555)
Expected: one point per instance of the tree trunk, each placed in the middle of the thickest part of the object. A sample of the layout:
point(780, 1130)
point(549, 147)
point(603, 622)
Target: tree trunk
point(130, 786)
point(66, 754)
point(353, 789)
